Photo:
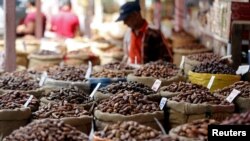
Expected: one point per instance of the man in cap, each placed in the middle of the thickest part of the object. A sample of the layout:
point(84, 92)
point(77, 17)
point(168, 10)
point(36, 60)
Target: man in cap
point(144, 44)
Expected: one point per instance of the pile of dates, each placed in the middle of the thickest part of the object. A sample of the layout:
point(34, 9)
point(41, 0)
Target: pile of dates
point(109, 74)
point(129, 130)
point(59, 110)
point(192, 47)
point(238, 119)
point(68, 72)
point(117, 66)
point(242, 86)
point(16, 99)
point(18, 81)
point(122, 87)
point(199, 97)
point(128, 104)
point(47, 130)
point(158, 69)
point(183, 87)
point(214, 67)
point(196, 129)
point(204, 57)
point(46, 52)
point(71, 94)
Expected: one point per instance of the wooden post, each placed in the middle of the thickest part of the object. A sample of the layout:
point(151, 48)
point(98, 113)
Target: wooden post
point(89, 17)
point(179, 14)
point(236, 45)
point(10, 35)
point(39, 22)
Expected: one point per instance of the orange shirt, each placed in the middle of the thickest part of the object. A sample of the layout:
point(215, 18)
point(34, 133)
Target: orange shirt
point(136, 45)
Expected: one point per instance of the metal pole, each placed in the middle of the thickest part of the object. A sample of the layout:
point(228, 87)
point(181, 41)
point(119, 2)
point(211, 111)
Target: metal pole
point(39, 24)
point(10, 35)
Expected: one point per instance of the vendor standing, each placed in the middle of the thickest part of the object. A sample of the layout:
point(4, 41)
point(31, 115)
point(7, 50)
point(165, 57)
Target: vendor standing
point(28, 27)
point(65, 24)
point(143, 43)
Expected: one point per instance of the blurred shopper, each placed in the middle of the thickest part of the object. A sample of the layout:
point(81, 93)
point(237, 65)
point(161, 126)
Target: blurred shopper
point(143, 43)
point(65, 23)
point(28, 26)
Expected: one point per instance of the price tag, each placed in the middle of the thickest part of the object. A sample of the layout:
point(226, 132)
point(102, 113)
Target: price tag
point(156, 85)
point(43, 79)
point(163, 102)
point(94, 91)
point(28, 101)
point(226, 57)
point(182, 62)
point(243, 69)
point(24, 46)
point(89, 70)
point(211, 82)
point(232, 95)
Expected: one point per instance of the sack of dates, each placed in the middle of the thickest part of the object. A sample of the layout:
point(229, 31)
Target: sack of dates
point(194, 131)
point(47, 130)
point(179, 87)
point(198, 104)
point(72, 114)
point(44, 57)
point(66, 75)
point(20, 81)
point(238, 119)
point(13, 113)
point(152, 71)
point(224, 74)
point(122, 87)
point(116, 66)
point(242, 101)
point(126, 107)
point(127, 130)
point(71, 94)
point(196, 59)
point(187, 50)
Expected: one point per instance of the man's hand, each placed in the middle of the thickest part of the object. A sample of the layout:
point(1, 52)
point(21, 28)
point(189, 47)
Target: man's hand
point(20, 28)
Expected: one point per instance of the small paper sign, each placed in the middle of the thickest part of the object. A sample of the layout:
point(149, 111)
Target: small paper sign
point(182, 62)
point(243, 69)
point(232, 95)
point(43, 78)
point(89, 70)
point(156, 85)
point(163, 102)
point(226, 57)
point(211, 82)
point(94, 91)
point(28, 101)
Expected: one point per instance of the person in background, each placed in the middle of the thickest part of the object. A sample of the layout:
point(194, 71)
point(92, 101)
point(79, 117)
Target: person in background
point(65, 24)
point(28, 26)
point(143, 43)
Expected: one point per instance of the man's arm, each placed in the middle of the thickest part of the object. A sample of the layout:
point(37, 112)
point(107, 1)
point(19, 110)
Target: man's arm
point(29, 28)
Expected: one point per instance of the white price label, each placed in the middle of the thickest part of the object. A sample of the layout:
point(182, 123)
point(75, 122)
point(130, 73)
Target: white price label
point(226, 57)
point(28, 101)
point(156, 85)
point(233, 95)
point(43, 79)
point(94, 91)
point(163, 102)
point(243, 69)
point(182, 62)
point(211, 82)
point(89, 70)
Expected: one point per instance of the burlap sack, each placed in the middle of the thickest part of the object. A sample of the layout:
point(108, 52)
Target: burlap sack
point(21, 59)
point(13, 119)
point(183, 112)
point(190, 64)
point(51, 83)
point(36, 93)
point(76, 59)
point(149, 81)
point(103, 119)
point(242, 104)
point(27, 45)
point(44, 60)
point(174, 133)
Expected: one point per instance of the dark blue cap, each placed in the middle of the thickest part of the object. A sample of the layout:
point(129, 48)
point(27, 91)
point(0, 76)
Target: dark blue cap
point(128, 8)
